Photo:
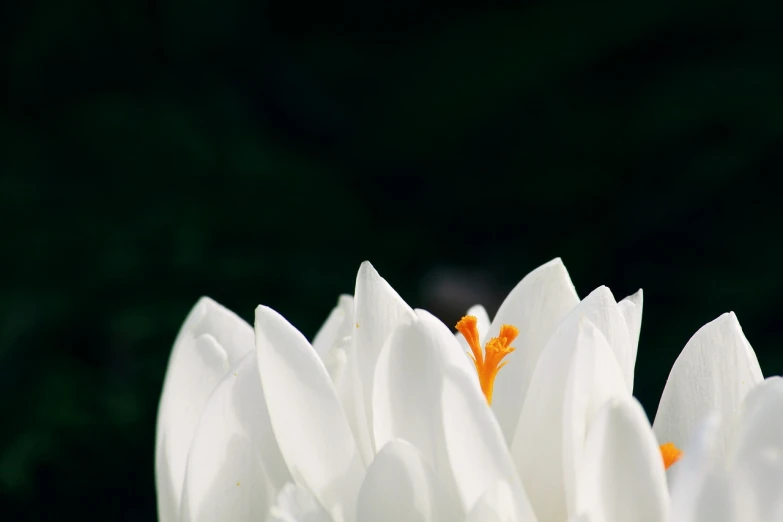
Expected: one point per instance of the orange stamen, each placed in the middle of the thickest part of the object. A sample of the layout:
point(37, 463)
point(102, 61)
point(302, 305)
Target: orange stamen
point(467, 327)
point(670, 454)
point(488, 363)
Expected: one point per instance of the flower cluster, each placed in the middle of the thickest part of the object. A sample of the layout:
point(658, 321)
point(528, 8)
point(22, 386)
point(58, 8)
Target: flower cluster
point(389, 415)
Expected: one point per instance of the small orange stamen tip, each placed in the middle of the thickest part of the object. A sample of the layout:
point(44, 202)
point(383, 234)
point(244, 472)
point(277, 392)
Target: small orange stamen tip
point(670, 454)
point(468, 327)
point(509, 333)
point(488, 362)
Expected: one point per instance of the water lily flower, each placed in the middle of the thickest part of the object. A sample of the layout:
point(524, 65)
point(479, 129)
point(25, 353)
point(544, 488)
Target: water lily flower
point(388, 415)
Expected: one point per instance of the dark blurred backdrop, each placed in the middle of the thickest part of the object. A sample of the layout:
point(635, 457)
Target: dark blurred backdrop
point(255, 152)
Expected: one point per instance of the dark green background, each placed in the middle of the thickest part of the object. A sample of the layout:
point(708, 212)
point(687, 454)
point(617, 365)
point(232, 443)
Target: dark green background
point(152, 152)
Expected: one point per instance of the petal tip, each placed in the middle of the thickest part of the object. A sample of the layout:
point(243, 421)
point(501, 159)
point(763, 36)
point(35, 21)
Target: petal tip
point(203, 306)
point(366, 267)
point(263, 313)
point(602, 292)
point(727, 320)
point(558, 261)
point(554, 265)
point(205, 300)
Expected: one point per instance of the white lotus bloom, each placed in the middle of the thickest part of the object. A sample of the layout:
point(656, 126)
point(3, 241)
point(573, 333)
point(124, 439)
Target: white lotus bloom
point(384, 417)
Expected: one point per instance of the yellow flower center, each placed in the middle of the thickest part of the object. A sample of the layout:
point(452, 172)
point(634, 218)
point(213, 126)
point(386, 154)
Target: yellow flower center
point(670, 454)
point(487, 362)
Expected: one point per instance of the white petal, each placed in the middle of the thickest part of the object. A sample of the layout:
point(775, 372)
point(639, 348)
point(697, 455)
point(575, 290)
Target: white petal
point(758, 459)
point(622, 475)
point(209, 342)
point(337, 326)
point(234, 464)
point(757, 483)
point(537, 448)
point(495, 505)
point(296, 504)
point(689, 476)
point(536, 306)
point(606, 314)
point(583, 517)
point(306, 416)
point(714, 372)
point(631, 308)
point(717, 501)
point(336, 364)
point(594, 378)
point(760, 423)
point(408, 384)
point(344, 364)
point(378, 309)
point(482, 320)
point(478, 454)
point(399, 485)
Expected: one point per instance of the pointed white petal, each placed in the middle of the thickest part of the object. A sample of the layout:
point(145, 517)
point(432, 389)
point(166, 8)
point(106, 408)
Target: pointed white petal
point(296, 504)
point(477, 452)
point(378, 309)
point(408, 383)
point(209, 342)
point(337, 326)
point(536, 306)
point(631, 308)
point(234, 464)
point(594, 378)
point(537, 447)
point(495, 505)
point(714, 372)
point(605, 313)
point(622, 475)
point(399, 485)
point(306, 416)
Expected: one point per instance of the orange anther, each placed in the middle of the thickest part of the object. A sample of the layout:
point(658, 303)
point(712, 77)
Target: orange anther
point(670, 454)
point(488, 362)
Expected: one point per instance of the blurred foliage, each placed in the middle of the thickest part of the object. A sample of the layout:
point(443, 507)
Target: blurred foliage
point(152, 152)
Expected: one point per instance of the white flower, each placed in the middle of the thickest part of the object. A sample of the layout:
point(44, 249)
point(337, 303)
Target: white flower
point(730, 423)
point(385, 418)
point(716, 398)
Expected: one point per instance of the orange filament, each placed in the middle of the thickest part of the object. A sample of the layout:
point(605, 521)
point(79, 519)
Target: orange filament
point(487, 362)
point(670, 454)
